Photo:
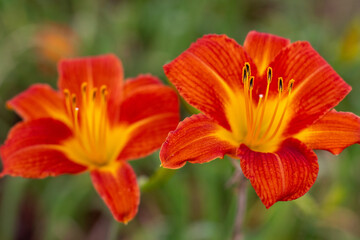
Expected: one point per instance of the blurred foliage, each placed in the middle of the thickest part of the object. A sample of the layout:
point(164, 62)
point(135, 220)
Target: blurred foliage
point(195, 201)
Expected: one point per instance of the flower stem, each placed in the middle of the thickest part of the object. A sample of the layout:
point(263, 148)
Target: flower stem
point(241, 201)
point(114, 230)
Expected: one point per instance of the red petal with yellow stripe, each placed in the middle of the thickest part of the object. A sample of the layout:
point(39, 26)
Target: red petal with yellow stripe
point(333, 132)
point(317, 87)
point(104, 70)
point(208, 74)
point(284, 175)
point(32, 150)
point(46, 101)
point(150, 110)
point(263, 48)
point(118, 187)
point(197, 139)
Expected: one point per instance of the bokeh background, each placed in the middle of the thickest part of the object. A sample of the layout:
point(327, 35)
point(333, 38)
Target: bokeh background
point(195, 202)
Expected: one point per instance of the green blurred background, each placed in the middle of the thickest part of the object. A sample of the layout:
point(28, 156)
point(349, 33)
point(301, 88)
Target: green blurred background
point(194, 202)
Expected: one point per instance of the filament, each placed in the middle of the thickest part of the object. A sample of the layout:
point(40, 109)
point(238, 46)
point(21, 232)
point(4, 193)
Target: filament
point(259, 131)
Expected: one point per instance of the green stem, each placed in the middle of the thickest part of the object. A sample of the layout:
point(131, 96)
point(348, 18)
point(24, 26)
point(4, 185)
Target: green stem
point(241, 201)
point(160, 176)
point(114, 230)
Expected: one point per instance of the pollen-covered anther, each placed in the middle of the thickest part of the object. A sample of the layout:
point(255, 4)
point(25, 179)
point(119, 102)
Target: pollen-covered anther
point(280, 84)
point(104, 92)
point(269, 74)
point(94, 93)
point(251, 83)
point(83, 88)
point(291, 85)
point(248, 69)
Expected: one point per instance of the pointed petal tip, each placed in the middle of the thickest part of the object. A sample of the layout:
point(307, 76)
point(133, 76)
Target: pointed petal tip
point(117, 186)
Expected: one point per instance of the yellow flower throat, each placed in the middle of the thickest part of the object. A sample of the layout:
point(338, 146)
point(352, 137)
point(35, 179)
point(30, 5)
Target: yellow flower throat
point(95, 143)
point(263, 123)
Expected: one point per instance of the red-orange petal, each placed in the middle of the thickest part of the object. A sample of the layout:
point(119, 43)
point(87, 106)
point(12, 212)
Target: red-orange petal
point(317, 87)
point(209, 72)
point(197, 139)
point(147, 101)
point(281, 176)
point(118, 187)
point(39, 161)
point(95, 71)
point(143, 80)
point(39, 131)
point(39, 101)
point(148, 137)
point(32, 150)
point(152, 110)
point(333, 132)
point(263, 48)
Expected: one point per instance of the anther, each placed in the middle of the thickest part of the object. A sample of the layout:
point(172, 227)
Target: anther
point(291, 85)
point(244, 75)
point(66, 93)
point(94, 93)
point(73, 99)
point(83, 87)
point(269, 74)
point(280, 85)
point(248, 70)
point(251, 83)
point(103, 90)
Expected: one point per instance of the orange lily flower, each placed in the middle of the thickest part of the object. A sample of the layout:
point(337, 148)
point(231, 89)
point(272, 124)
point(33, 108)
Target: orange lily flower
point(267, 103)
point(96, 122)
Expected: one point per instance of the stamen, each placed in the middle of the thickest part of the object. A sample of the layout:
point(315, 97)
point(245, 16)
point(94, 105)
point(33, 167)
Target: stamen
point(269, 74)
point(75, 113)
point(280, 88)
point(248, 69)
point(251, 85)
point(67, 101)
point(94, 94)
point(256, 118)
point(84, 92)
point(244, 75)
point(103, 90)
point(291, 84)
point(258, 126)
point(103, 113)
point(280, 85)
point(73, 100)
point(83, 87)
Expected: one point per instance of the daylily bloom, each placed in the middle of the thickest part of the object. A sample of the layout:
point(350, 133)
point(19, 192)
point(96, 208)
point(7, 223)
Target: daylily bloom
point(267, 103)
point(96, 122)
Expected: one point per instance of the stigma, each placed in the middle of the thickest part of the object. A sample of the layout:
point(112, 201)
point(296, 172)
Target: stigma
point(264, 114)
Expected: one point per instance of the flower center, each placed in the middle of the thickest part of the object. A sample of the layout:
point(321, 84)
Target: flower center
point(264, 119)
point(90, 123)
